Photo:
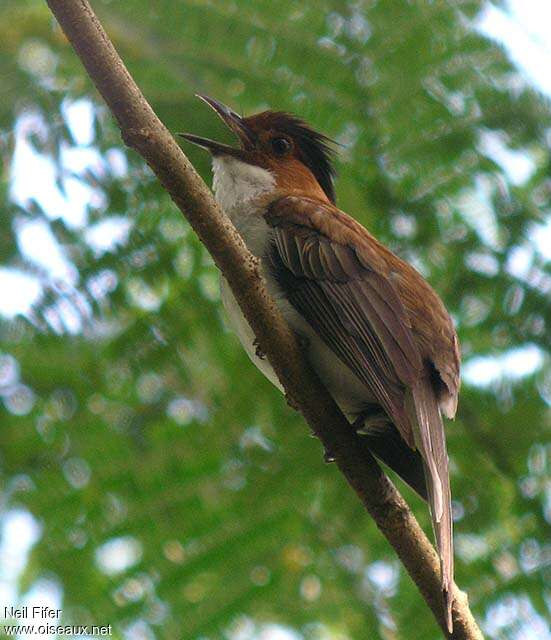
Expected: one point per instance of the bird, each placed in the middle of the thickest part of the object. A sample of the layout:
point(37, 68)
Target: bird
point(376, 333)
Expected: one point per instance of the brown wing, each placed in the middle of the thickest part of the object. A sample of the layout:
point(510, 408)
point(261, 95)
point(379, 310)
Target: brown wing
point(371, 309)
point(426, 315)
point(354, 310)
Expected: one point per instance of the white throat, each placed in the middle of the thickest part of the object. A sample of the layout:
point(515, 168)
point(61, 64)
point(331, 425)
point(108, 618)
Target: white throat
point(236, 183)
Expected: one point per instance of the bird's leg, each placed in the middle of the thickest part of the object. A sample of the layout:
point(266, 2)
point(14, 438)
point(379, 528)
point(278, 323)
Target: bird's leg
point(371, 420)
point(303, 343)
point(258, 351)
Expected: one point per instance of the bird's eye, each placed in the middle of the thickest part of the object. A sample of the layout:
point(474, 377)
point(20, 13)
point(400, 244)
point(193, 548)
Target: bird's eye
point(281, 146)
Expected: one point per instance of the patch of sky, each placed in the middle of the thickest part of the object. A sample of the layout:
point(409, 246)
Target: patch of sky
point(513, 365)
point(61, 193)
point(517, 165)
point(522, 26)
point(19, 531)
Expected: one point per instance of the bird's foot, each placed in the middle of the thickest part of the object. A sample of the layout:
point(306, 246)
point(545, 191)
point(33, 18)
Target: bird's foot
point(258, 351)
point(371, 420)
point(328, 455)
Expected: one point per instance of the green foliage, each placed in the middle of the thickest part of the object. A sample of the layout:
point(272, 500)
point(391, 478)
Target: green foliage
point(148, 423)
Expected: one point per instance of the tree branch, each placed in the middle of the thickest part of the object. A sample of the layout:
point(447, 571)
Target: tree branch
point(143, 131)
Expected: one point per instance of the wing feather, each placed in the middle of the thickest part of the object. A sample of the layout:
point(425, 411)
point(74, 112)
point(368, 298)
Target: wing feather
point(357, 309)
point(363, 302)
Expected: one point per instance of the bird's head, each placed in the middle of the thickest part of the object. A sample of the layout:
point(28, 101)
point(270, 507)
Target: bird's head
point(297, 157)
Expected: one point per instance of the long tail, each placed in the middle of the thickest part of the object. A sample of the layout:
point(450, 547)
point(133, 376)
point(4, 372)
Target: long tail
point(431, 442)
point(390, 448)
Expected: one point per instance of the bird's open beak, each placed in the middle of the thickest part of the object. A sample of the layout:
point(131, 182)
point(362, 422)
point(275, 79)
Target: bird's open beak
point(233, 120)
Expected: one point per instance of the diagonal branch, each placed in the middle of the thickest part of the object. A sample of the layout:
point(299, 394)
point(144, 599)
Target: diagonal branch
point(143, 131)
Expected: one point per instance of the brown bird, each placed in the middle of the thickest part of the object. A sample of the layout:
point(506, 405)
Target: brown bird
point(378, 336)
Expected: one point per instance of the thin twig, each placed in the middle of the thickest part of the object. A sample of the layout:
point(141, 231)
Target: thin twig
point(144, 132)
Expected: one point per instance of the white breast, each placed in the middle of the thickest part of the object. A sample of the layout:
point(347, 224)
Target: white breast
point(349, 393)
point(237, 186)
point(244, 332)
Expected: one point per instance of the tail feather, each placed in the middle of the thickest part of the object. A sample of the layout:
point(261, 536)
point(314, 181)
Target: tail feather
point(431, 442)
point(390, 448)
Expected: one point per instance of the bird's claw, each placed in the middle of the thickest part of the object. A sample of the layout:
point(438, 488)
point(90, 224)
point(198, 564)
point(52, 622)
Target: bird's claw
point(371, 421)
point(258, 351)
point(328, 455)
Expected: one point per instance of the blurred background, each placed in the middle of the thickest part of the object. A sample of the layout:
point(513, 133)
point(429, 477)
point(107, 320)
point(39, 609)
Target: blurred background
point(150, 478)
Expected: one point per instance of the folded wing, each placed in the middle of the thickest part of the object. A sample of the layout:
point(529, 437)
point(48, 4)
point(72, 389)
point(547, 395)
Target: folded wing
point(344, 283)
